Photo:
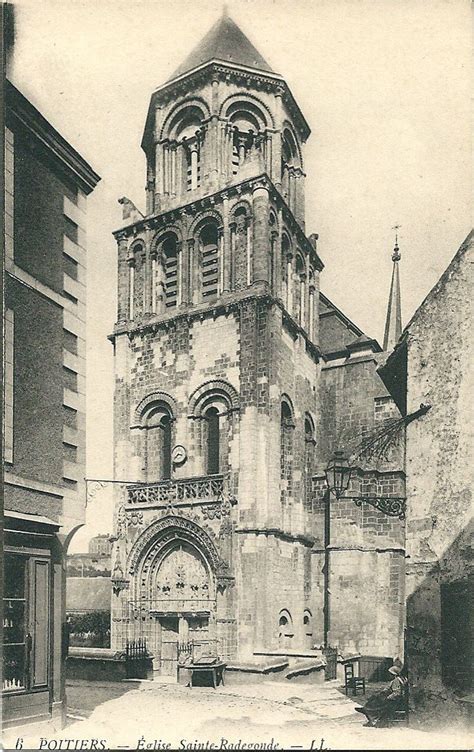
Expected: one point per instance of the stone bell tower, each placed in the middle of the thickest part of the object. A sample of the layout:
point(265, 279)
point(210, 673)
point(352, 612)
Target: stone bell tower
point(216, 367)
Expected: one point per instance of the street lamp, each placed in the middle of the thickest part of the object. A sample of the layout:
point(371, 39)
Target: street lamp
point(338, 474)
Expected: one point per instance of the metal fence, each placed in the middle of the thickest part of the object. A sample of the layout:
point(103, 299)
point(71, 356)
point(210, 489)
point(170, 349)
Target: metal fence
point(136, 655)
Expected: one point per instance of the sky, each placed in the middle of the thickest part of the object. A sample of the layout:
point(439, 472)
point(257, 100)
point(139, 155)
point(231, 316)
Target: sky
point(384, 84)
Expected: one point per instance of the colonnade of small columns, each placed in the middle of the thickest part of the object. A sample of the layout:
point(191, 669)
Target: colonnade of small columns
point(210, 158)
point(248, 251)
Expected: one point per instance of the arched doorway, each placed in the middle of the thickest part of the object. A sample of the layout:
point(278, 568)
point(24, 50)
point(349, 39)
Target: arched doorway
point(173, 602)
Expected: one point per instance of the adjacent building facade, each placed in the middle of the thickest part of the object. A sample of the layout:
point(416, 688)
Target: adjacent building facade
point(46, 185)
point(235, 380)
point(431, 366)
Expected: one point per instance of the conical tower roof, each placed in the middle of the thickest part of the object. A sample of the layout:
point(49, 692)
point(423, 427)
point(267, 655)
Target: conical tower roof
point(224, 42)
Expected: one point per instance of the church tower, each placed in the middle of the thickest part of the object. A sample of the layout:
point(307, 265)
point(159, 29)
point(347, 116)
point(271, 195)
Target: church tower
point(217, 367)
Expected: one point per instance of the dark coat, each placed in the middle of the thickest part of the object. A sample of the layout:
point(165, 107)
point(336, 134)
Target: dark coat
point(384, 704)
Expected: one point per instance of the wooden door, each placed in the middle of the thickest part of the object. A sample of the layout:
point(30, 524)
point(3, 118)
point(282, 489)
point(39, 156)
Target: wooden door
point(169, 645)
point(198, 631)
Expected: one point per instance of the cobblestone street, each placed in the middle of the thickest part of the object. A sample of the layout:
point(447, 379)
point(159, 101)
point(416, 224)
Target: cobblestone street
point(295, 716)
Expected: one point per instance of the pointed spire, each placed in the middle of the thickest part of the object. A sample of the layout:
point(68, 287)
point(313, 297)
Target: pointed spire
point(224, 42)
point(393, 324)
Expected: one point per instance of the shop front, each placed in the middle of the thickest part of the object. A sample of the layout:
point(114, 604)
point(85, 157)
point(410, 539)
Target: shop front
point(33, 649)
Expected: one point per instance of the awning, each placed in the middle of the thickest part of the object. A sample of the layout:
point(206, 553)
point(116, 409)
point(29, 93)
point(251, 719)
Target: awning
point(28, 523)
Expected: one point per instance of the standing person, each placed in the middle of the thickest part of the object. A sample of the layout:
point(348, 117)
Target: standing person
point(382, 705)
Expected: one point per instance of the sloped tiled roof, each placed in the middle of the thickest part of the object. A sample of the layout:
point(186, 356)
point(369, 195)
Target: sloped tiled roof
point(225, 42)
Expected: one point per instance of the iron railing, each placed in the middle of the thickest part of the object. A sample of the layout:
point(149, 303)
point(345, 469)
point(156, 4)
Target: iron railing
point(206, 488)
point(173, 606)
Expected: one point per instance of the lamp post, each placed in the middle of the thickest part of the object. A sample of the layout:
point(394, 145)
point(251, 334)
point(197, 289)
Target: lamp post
point(338, 475)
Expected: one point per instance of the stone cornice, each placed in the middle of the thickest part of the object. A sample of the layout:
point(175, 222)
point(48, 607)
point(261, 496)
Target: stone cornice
point(35, 124)
point(224, 71)
point(228, 302)
point(307, 540)
point(158, 221)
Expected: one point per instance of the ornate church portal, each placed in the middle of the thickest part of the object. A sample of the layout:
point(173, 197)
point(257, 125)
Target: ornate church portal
point(173, 601)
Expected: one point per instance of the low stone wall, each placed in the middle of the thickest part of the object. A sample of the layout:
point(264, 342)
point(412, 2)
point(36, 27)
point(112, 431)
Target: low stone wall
point(100, 664)
point(253, 672)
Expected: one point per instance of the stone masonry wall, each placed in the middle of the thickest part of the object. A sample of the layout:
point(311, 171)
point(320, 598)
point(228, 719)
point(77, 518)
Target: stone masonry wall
point(366, 546)
point(439, 482)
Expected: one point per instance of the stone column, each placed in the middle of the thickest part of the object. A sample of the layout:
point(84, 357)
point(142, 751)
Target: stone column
point(147, 282)
point(232, 232)
point(123, 298)
point(291, 189)
point(173, 170)
point(289, 284)
point(150, 187)
point(158, 176)
point(229, 151)
point(179, 274)
point(241, 150)
point(250, 257)
point(299, 210)
point(194, 165)
point(260, 207)
point(166, 175)
point(276, 264)
point(220, 260)
point(153, 281)
point(194, 271)
point(302, 313)
point(213, 130)
point(268, 155)
point(131, 284)
point(226, 259)
point(311, 314)
point(184, 280)
point(278, 259)
point(276, 140)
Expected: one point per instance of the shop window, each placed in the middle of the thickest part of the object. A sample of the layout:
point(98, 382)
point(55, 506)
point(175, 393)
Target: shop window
point(25, 622)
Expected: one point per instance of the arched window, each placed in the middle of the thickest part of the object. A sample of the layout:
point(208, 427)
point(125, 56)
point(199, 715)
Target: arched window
point(214, 405)
point(158, 424)
point(246, 121)
point(170, 271)
point(187, 133)
point(286, 451)
point(285, 629)
point(208, 239)
point(213, 439)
